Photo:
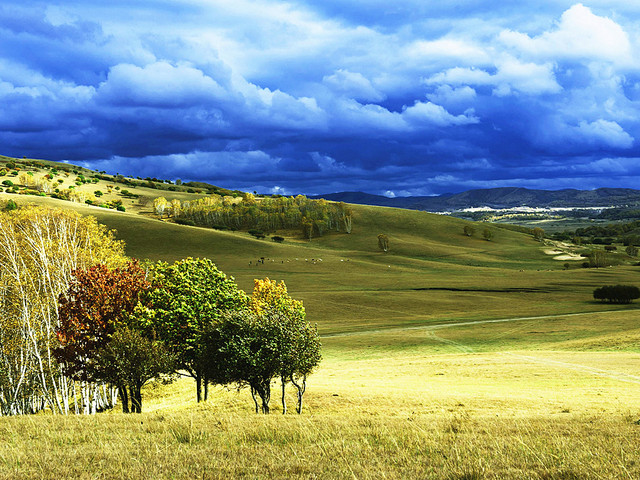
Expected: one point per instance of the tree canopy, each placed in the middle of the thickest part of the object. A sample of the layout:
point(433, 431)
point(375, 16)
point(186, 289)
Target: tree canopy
point(99, 332)
point(270, 339)
point(184, 300)
point(616, 293)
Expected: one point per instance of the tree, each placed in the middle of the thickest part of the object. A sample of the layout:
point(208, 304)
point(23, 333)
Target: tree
point(39, 250)
point(632, 251)
point(97, 318)
point(160, 204)
point(299, 345)
point(383, 242)
point(469, 230)
point(538, 233)
point(185, 299)
point(175, 207)
point(598, 259)
point(617, 293)
point(10, 205)
point(130, 360)
point(251, 349)
point(487, 234)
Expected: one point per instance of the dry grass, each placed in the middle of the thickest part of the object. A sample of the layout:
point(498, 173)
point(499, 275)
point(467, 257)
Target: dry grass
point(390, 419)
point(396, 396)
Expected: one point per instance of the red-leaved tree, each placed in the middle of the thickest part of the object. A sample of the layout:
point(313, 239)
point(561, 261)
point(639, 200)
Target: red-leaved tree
point(98, 302)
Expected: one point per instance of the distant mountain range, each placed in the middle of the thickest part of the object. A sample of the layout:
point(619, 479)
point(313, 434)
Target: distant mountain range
point(505, 197)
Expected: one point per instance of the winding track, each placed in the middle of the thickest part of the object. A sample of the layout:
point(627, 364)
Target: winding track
point(431, 333)
point(461, 324)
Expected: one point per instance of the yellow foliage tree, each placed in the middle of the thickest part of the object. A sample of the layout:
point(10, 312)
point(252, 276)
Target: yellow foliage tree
point(39, 248)
point(300, 342)
point(268, 294)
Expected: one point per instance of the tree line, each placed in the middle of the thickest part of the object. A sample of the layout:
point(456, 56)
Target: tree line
point(81, 325)
point(312, 217)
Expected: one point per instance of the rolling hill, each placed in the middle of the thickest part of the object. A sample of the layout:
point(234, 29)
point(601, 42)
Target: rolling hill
point(504, 197)
point(450, 356)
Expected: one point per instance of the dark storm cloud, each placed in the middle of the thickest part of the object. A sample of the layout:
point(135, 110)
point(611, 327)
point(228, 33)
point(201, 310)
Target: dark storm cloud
point(407, 98)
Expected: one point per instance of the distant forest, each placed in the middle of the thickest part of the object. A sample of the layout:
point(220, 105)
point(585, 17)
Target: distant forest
point(269, 214)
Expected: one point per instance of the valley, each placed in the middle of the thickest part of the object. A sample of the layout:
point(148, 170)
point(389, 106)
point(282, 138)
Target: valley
point(450, 356)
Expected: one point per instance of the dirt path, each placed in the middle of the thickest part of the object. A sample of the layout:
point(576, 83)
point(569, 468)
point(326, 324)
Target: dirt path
point(461, 324)
point(623, 377)
point(431, 333)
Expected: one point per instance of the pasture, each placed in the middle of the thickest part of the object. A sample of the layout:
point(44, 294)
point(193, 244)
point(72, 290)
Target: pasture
point(448, 357)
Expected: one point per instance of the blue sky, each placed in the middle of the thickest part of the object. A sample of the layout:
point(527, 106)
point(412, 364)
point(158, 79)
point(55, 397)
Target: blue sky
point(398, 98)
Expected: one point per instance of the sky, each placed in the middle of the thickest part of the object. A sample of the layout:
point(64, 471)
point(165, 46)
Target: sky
point(410, 97)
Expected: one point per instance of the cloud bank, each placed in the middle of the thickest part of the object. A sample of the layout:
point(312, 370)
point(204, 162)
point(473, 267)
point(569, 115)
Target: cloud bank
point(293, 96)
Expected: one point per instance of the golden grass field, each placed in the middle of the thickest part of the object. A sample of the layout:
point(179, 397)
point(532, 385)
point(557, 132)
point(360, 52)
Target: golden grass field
point(448, 358)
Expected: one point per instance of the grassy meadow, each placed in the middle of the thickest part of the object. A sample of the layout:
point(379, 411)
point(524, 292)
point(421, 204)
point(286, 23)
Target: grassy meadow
point(450, 357)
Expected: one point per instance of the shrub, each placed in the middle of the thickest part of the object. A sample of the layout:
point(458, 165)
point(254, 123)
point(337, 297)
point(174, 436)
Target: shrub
point(10, 205)
point(121, 208)
point(616, 293)
point(8, 183)
point(185, 221)
point(277, 239)
point(610, 248)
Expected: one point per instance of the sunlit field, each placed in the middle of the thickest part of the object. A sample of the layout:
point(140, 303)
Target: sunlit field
point(448, 357)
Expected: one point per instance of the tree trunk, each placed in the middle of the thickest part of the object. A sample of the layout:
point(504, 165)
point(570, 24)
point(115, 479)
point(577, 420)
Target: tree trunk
point(124, 396)
point(253, 395)
point(206, 388)
point(301, 387)
point(136, 398)
point(284, 401)
point(264, 391)
point(198, 387)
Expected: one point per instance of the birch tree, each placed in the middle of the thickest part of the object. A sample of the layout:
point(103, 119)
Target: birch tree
point(39, 248)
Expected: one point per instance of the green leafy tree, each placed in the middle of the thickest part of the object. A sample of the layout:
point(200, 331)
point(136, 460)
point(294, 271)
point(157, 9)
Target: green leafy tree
point(383, 242)
point(632, 251)
point(10, 205)
point(130, 360)
point(468, 230)
point(487, 234)
point(186, 298)
point(598, 259)
point(251, 349)
point(616, 293)
point(298, 341)
point(538, 233)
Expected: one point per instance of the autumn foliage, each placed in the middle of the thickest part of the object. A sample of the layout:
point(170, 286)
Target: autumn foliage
point(97, 301)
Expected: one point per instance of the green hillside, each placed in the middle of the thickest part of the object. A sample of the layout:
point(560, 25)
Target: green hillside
point(447, 357)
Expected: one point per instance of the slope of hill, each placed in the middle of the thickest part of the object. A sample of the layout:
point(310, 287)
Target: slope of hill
point(450, 356)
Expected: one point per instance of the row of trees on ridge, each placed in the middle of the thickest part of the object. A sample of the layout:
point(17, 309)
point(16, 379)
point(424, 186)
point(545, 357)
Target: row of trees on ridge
point(312, 217)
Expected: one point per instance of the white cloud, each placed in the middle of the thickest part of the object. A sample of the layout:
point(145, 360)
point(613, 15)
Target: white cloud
point(445, 94)
point(160, 85)
point(451, 49)
point(354, 85)
point(511, 76)
point(579, 35)
point(428, 113)
point(605, 132)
